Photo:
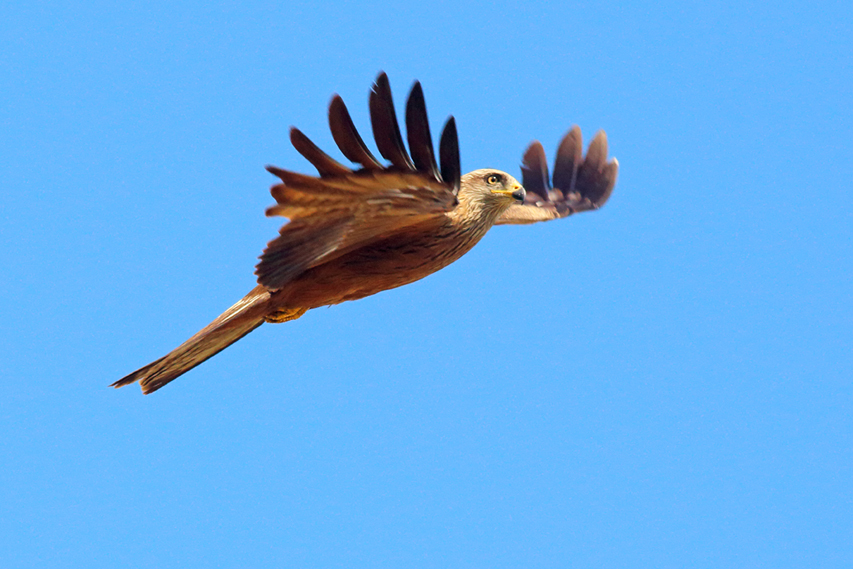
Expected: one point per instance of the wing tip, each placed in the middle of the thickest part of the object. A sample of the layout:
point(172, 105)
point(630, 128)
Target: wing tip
point(275, 171)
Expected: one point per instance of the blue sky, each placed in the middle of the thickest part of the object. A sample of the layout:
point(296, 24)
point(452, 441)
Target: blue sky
point(663, 383)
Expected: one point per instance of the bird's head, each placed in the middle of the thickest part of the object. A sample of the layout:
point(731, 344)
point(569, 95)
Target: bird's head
point(492, 189)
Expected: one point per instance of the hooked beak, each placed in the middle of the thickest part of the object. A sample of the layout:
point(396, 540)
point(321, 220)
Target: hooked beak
point(517, 192)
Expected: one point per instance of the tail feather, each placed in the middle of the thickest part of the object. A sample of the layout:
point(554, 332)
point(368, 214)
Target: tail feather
point(230, 326)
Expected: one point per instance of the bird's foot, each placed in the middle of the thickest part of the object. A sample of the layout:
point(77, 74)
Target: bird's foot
point(284, 315)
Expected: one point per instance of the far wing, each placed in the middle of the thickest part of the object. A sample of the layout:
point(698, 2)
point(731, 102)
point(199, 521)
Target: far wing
point(579, 183)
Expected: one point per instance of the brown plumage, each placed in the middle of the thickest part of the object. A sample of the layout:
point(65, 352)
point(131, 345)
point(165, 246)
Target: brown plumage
point(353, 233)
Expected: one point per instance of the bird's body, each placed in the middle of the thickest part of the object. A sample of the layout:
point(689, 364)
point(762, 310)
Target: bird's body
point(354, 234)
point(405, 256)
point(400, 259)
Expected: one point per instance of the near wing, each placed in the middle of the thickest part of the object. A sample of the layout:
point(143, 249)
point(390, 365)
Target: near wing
point(343, 209)
point(578, 184)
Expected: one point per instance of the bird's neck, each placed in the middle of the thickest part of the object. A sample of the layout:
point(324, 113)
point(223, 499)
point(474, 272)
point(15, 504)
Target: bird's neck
point(476, 212)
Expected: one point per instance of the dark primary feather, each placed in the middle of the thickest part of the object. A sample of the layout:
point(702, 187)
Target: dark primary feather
point(386, 130)
point(417, 132)
point(596, 177)
point(569, 158)
point(448, 153)
point(347, 138)
point(325, 164)
point(534, 173)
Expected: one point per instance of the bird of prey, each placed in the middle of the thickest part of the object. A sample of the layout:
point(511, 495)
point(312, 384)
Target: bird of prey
point(352, 233)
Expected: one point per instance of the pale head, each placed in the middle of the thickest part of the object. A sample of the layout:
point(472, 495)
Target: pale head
point(492, 189)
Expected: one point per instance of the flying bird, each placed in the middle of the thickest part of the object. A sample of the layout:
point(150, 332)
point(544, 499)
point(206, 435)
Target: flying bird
point(352, 233)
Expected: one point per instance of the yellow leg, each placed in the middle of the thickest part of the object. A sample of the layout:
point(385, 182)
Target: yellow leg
point(284, 315)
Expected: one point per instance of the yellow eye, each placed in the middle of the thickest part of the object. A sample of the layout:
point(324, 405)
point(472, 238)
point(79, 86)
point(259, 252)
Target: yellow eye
point(493, 179)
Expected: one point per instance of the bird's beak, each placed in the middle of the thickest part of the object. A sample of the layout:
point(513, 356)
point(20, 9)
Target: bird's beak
point(517, 192)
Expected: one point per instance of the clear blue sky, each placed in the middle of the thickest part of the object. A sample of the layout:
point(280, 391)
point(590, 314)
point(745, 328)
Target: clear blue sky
point(663, 383)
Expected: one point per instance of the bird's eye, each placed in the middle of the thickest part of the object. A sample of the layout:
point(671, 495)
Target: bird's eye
point(493, 179)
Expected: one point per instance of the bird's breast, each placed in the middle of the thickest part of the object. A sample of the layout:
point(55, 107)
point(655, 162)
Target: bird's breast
point(385, 264)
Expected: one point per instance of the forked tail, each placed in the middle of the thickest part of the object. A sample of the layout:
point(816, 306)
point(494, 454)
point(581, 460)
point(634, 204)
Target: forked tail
point(229, 327)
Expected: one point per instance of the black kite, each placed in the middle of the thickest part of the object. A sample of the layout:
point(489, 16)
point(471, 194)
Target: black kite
point(353, 233)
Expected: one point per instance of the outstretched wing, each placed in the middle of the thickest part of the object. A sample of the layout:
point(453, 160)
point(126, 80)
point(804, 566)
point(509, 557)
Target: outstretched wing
point(579, 183)
point(343, 209)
